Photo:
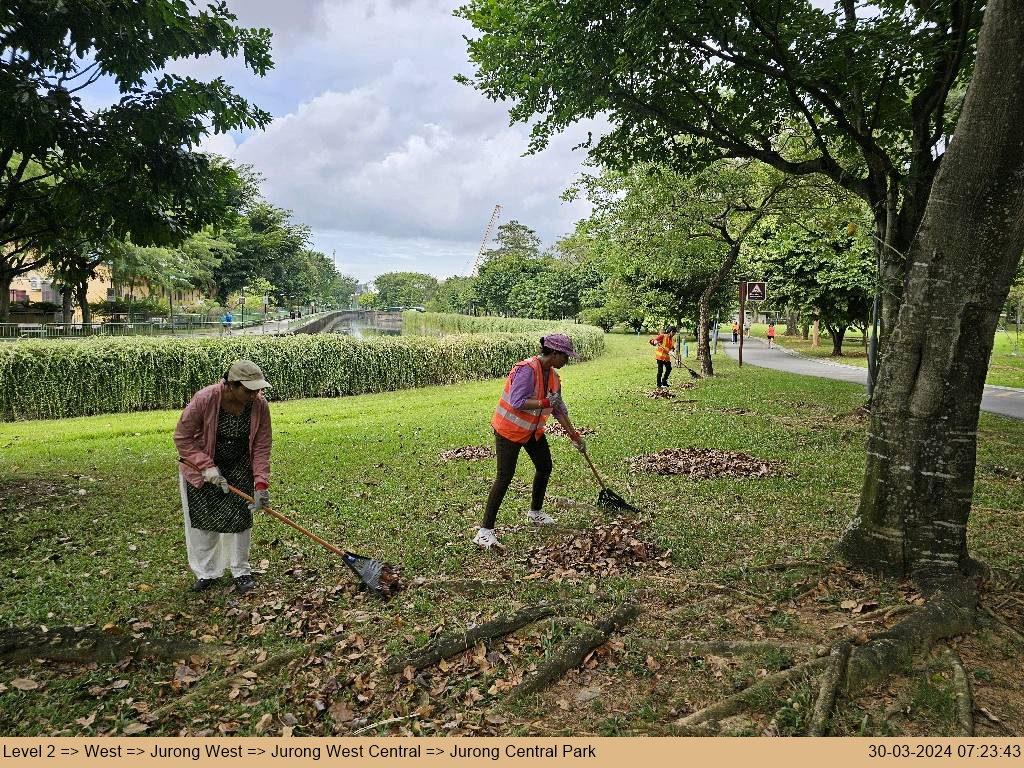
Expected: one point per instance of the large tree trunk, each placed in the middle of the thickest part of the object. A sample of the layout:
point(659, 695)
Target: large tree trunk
point(83, 301)
point(6, 278)
point(67, 307)
point(838, 333)
point(922, 442)
point(704, 307)
point(792, 324)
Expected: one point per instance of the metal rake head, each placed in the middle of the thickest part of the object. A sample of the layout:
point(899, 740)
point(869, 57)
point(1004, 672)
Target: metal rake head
point(381, 578)
point(609, 499)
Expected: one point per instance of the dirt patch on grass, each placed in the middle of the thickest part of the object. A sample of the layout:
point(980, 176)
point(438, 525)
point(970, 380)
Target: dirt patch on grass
point(701, 463)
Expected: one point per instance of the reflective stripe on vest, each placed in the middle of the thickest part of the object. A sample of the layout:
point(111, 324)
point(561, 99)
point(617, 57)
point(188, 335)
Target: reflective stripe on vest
point(519, 424)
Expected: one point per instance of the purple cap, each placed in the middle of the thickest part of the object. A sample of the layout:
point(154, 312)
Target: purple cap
point(560, 343)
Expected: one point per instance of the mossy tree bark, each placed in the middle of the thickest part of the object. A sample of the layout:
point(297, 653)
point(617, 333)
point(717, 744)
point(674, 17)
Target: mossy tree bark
point(922, 442)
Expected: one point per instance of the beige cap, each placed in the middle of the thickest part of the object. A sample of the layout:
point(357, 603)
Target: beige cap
point(248, 373)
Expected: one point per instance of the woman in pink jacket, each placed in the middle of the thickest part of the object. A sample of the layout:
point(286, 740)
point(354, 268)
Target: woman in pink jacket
point(225, 431)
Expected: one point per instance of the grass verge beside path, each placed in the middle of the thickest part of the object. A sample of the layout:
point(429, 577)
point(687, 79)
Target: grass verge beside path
point(93, 535)
point(1006, 369)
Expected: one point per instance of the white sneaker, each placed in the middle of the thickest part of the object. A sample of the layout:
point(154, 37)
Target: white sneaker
point(540, 518)
point(485, 538)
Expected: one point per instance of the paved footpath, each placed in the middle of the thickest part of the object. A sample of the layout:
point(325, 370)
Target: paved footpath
point(1006, 401)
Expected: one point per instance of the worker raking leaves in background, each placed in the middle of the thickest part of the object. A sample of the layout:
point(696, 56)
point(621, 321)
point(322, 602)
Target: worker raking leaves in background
point(225, 432)
point(663, 345)
point(533, 392)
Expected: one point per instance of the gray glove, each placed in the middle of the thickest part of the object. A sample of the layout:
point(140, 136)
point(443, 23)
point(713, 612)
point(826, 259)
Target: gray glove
point(579, 443)
point(213, 475)
point(261, 499)
point(555, 398)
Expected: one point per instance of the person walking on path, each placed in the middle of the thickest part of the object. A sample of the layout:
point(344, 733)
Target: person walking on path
point(532, 393)
point(735, 331)
point(771, 335)
point(225, 432)
point(663, 345)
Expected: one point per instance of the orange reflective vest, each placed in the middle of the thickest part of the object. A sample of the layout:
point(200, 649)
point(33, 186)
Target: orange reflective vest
point(517, 424)
point(663, 344)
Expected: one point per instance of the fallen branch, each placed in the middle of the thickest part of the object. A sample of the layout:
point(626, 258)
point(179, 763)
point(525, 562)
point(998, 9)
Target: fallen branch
point(451, 645)
point(752, 696)
point(575, 651)
point(79, 645)
point(381, 724)
point(964, 699)
point(829, 689)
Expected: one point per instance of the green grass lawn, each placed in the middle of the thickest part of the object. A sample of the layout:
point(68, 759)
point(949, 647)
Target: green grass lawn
point(93, 535)
point(1006, 368)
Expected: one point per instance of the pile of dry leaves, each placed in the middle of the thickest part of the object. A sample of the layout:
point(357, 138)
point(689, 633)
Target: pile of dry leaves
point(467, 453)
point(662, 393)
point(603, 550)
point(701, 463)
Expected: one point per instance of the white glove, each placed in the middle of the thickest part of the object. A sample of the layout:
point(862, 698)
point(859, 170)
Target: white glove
point(261, 499)
point(555, 398)
point(579, 444)
point(213, 475)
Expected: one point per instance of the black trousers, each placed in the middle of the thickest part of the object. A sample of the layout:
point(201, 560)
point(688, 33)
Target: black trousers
point(664, 369)
point(508, 455)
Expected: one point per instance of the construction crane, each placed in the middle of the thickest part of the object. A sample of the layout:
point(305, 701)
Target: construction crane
point(495, 215)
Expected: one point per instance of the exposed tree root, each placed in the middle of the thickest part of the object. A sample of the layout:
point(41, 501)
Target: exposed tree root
point(730, 647)
point(964, 699)
point(785, 565)
point(884, 613)
point(575, 650)
point(950, 612)
point(833, 678)
point(1011, 631)
point(1002, 577)
point(262, 669)
point(754, 696)
point(68, 644)
point(450, 645)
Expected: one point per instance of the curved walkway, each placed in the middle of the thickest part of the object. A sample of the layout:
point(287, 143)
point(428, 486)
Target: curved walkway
point(1006, 401)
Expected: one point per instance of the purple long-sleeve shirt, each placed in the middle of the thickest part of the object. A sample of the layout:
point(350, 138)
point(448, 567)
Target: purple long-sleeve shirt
point(524, 388)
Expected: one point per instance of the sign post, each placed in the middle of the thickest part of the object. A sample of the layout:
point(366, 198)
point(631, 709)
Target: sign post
point(743, 316)
point(753, 292)
point(241, 303)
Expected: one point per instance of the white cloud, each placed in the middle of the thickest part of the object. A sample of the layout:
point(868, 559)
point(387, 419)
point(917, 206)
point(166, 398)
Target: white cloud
point(374, 141)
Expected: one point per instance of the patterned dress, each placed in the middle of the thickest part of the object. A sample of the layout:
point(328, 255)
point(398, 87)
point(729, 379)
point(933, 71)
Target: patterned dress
point(209, 508)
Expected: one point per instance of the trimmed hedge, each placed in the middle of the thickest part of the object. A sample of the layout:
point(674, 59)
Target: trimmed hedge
point(59, 379)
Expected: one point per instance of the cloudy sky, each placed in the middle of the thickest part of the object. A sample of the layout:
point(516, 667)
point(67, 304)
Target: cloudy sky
point(392, 164)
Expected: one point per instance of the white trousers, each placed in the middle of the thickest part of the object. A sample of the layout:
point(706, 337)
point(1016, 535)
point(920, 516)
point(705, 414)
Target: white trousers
point(209, 552)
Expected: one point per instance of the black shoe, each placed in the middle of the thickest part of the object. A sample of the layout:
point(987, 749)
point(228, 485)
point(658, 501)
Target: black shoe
point(244, 584)
point(202, 585)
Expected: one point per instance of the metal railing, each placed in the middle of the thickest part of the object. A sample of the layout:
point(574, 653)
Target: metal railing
point(273, 323)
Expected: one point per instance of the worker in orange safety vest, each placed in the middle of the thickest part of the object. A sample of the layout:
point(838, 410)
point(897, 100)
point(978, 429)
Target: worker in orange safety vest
point(663, 345)
point(532, 393)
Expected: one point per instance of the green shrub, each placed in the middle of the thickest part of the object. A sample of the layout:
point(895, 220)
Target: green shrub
point(58, 379)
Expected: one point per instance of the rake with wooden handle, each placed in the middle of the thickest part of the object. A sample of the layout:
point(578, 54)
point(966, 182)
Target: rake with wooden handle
point(380, 577)
point(607, 497)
